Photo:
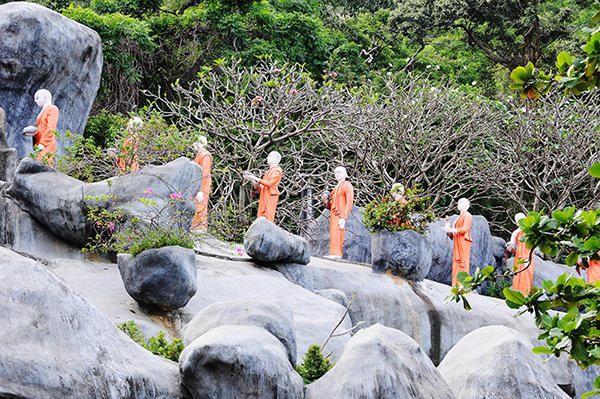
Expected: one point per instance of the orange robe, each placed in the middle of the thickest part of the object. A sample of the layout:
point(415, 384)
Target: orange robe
point(593, 271)
point(204, 159)
point(523, 280)
point(462, 245)
point(128, 160)
point(46, 125)
point(269, 193)
point(342, 199)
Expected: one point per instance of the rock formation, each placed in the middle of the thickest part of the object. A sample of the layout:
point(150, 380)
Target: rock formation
point(8, 156)
point(41, 49)
point(60, 202)
point(381, 362)
point(54, 344)
point(165, 277)
point(405, 253)
point(497, 362)
point(239, 362)
point(267, 242)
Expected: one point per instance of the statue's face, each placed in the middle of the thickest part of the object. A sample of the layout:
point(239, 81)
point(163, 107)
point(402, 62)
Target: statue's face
point(340, 174)
point(272, 159)
point(40, 99)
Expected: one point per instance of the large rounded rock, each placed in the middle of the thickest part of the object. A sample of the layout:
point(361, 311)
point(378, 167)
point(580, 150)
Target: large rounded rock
point(55, 344)
point(60, 202)
point(266, 242)
point(357, 239)
point(41, 49)
point(267, 315)
point(497, 362)
point(481, 249)
point(406, 254)
point(238, 362)
point(381, 363)
point(164, 277)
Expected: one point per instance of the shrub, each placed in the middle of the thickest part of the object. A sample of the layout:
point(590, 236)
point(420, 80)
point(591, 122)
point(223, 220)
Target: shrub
point(157, 345)
point(385, 213)
point(104, 128)
point(314, 365)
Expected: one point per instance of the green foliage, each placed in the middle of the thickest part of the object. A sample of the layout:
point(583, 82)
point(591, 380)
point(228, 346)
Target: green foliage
point(129, 7)
point(385, 213)
point(104, 128)
point(314, 365)
point(531, 82)
point(162, 238)
point(495, 288)
point(157, 345)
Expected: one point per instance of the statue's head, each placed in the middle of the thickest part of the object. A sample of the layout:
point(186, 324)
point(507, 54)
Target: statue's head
point(200, 143)
point(42, 97)
point(274, 158)
point(397, 191)
point(340, 173)
point(134, 123)
point(518, 217)
point(463, 204)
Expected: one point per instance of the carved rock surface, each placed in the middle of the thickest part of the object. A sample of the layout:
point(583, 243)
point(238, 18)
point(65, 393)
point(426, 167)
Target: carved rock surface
point(54, 344)
point(165, 277)
point(60, 202)
point(271, 316)
point(497, 362)
point(481, 249)
point(357, 240)
point(239, 362)
point(42, 49)
point(381, 363)
point(405, 253)
point(267, 242)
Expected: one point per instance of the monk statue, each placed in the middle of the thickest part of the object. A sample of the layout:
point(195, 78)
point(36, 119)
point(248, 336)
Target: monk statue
point(398, 193)
point(523, 280)
point(461, 234)
point(340, 202)
point(204, 159)
point(267, 187)
point(128, 159)
point(593, 270)
point(46, 122)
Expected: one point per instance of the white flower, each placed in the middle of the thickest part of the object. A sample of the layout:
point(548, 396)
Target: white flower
point(473, 83)
point(437, 67)
point(465, 67)
point(408, 59)
point(428, 66)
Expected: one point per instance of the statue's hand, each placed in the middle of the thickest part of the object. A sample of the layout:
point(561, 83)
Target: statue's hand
point(200, 196)
point(40, 147)
point(342, 224)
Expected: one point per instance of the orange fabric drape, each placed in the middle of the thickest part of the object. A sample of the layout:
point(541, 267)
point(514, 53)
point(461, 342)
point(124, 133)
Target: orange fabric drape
point(269, 193)
point(342, 199)
point(46, 125)
point(204, 159)
point(593, 271)
point(462, 245)
point(523, 280)
point(128, 160)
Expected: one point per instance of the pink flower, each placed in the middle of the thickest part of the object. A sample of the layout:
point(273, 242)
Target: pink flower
point(257, 100)
point(177, 195)
point(98, 224)
point(333, 75)
point(277, 71)
point(148, 192)
point(324, 70)
point(111, 226)
point(293, 92)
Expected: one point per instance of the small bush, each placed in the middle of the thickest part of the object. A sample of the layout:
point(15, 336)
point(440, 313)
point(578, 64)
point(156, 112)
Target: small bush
point(385, 213)
point(162, 238)
point(495, 289)
point(157, 345)
point(104, 128)
point(314, 365)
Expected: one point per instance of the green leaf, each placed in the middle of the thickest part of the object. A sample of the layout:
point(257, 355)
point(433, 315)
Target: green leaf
point(595, 170)
point(541, 349)
point(560, 216)
point(514, 296)
point(590, 394)
point(520, 75)
point(571, 260)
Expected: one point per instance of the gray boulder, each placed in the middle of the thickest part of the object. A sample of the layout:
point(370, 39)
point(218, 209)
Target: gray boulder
point(54, 344)
point(481, 249)
point(406, 254)
point(498, 251)
point(335, 295)
point(238, 362)
point(8, 156)
point(267, 315)
point(497, 362)
point(41, 49)
point(165, 277)
point(266, 242)
point(60, 202)
point(357, 239)
point(381, 363)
